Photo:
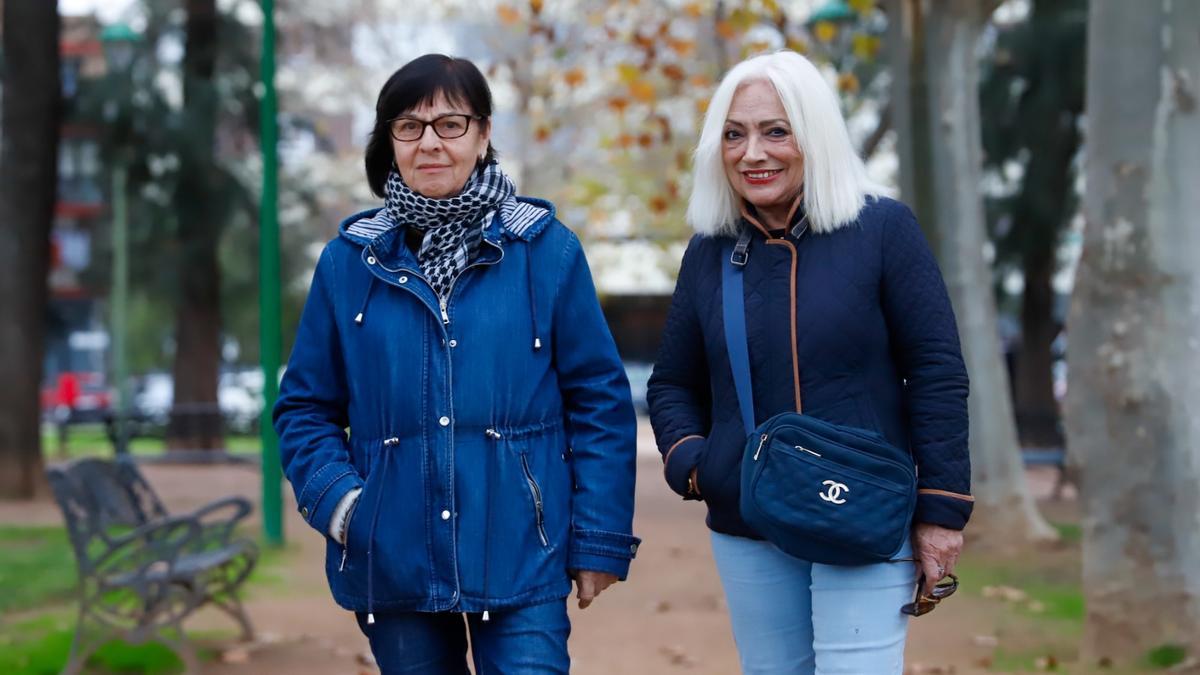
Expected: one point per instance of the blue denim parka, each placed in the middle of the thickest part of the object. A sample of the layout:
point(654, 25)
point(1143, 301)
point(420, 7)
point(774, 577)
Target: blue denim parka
point(493, 435)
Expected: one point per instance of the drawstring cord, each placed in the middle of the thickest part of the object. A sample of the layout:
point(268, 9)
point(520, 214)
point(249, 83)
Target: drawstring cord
point(387, 455)
point(358, 318)
point(537, 340)
point(487, 519)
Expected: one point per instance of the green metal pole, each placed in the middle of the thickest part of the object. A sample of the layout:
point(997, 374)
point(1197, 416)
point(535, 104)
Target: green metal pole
point(268, 288)
point(120, 303)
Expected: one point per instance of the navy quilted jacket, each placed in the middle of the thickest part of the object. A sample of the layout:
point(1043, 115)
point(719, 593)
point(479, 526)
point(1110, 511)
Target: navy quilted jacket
point(854, 327)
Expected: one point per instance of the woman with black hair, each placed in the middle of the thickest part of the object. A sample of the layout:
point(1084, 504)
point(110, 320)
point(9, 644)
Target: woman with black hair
point(454, 417)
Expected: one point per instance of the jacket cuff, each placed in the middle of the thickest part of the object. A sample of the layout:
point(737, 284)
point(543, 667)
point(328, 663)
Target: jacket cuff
point(601, 551)
point(680, 460)
point(324, 491)
point(945, 510)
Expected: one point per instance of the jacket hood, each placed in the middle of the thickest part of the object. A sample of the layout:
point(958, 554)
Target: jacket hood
point(522, 218)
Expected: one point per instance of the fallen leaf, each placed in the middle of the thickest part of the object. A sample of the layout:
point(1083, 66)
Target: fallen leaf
point(676, 655)
point(1006, 593)
point(1048, 662)
point(985, 640)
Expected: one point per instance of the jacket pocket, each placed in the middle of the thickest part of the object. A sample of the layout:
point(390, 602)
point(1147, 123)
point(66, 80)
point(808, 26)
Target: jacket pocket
point(535, 492)
point(386, 535)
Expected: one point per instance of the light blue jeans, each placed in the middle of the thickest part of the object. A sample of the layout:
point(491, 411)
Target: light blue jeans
point(792, 617)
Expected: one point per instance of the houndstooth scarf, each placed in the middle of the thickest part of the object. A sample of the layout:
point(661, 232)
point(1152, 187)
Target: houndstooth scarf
point(452, 227)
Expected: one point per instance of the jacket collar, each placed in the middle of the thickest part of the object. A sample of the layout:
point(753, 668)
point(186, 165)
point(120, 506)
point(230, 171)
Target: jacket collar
point(520, 218)
point(797, 222)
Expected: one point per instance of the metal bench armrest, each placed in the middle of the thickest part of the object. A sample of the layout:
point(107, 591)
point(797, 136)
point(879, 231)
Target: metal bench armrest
point(218, 518)
point(156, 544)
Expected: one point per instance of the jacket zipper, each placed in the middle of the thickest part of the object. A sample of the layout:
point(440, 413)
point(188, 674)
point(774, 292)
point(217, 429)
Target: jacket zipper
point(536, 492)
point(443, 303)
point(445, 316)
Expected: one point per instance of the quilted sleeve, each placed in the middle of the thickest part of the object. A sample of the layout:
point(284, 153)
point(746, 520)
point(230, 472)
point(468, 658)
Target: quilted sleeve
point(679, 392)
point(924, 336)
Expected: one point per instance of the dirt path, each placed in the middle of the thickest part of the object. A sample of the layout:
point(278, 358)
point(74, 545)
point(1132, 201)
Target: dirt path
point(669, 617)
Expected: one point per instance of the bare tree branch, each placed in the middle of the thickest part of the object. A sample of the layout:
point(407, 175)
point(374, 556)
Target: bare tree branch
point(871, 144)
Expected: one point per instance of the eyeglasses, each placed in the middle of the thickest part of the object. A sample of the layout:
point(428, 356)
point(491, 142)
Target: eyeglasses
point(924, 604)
point(445, 126)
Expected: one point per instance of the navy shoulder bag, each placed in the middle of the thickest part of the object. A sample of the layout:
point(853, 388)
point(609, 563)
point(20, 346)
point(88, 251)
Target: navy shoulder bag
point(821, 492)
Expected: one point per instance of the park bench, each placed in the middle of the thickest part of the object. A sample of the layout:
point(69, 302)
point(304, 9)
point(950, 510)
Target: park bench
point(142, 571)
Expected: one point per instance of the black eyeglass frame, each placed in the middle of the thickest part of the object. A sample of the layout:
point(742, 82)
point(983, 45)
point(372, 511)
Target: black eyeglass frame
point(431, 123)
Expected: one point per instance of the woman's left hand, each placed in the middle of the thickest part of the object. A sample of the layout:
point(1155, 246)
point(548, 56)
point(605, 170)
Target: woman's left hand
point(590, 584)
point(936, 548)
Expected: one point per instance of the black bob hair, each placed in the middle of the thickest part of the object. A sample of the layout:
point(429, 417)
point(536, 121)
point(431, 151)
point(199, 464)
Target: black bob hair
point(418, 82)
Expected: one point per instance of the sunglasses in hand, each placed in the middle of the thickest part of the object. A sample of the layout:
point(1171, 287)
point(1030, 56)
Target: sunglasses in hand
point(924, 604)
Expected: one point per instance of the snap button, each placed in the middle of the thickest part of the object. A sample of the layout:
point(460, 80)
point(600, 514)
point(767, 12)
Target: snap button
point(304, 511)
point(633, 548)
point(404, 280)
point(370, 260)
point(454, 343)
point(444, 421)
point(445, 515)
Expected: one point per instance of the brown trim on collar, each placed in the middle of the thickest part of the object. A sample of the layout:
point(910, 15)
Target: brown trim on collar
point(781, 241)
point(753, 219)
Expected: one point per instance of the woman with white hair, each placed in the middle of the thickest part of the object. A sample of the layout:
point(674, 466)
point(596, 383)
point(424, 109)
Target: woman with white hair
point(847, 329)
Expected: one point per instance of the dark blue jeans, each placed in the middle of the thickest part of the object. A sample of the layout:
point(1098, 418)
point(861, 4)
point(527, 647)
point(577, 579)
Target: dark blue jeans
point(526, 640)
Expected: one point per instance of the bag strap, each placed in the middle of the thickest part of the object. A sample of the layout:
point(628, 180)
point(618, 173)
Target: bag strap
point(733, 308)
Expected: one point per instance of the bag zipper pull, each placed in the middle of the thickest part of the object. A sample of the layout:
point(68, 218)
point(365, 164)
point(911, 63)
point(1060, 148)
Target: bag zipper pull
point(761, 442)
point(804, 449)
point(344, 552)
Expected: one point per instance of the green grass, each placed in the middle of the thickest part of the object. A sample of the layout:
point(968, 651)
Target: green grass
point(272, 563)
point(1042, 631)
point(89, 440)
point(40, 646)
point(1061, 599)
point(38, 569)
point(1165, 656)
point(38, 572)
point(1070, 533)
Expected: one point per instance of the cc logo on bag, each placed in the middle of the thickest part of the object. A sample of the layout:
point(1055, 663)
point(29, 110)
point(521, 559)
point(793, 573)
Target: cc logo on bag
point(833, 492)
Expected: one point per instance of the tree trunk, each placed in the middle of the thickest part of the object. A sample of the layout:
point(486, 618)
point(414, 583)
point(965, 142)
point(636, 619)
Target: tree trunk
point(1033, 393)
point(1134, 348)
point(1045, 204)
point(28, 185)
point(196, 422)
point(936, 108)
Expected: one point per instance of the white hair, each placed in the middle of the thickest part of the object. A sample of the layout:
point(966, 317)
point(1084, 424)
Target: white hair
point(836, 184)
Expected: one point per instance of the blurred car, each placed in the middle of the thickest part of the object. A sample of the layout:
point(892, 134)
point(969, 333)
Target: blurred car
point(151, 400)
point(638, 373)
point(239, 396)
point(76, 397)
